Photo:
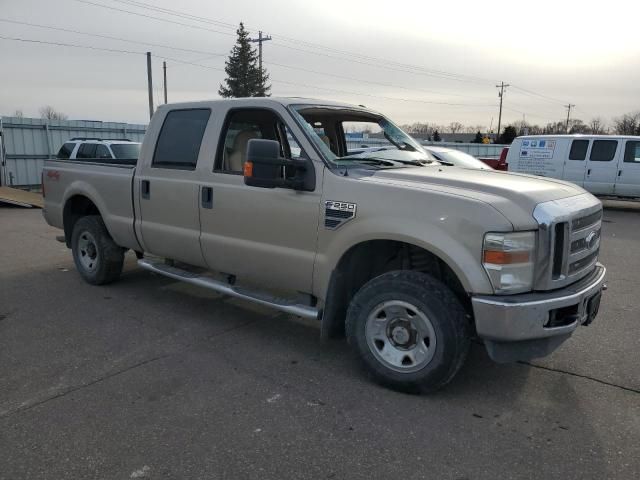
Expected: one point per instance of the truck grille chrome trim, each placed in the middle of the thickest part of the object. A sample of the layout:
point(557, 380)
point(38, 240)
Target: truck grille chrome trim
point(568, 241)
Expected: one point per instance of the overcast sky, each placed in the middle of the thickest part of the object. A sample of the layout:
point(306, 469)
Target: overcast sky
point(413, 60)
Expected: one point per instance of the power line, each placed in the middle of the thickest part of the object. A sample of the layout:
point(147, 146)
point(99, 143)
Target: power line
point(387, 64)
point(222, 70)
point(216, 55)
point(109, 37)
point(73, 45)
point(209, 20)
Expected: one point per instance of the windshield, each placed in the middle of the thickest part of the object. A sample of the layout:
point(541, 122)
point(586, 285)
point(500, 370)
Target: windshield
point(126, 151)
point(349, 137)
point(459, 159)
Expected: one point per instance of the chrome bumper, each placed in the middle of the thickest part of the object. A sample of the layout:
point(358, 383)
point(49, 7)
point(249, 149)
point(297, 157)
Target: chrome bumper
point(526, 320)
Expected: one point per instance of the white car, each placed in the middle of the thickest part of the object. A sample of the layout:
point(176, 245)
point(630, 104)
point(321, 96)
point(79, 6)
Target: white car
point(100, 150)
point(456, 158)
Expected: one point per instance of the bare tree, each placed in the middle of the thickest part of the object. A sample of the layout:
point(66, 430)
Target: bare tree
point(596, 126)
point(627, 124)
point(49, 113)
point(455, 127)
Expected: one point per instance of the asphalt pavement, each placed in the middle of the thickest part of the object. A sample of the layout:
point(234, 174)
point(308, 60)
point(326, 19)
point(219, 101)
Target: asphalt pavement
point(150, 378)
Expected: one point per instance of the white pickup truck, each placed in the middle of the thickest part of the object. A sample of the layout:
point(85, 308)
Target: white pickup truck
point(260, 199)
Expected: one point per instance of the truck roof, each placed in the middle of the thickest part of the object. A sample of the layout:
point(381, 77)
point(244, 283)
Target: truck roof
point(261, 101)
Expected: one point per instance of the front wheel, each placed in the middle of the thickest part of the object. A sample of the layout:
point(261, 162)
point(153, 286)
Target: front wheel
point(97, 257)
point(409, 330)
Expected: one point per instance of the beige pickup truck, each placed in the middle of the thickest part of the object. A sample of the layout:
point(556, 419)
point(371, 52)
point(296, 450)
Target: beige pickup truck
point(411, 258)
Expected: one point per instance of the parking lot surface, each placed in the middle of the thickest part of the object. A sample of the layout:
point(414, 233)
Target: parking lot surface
point(150, 378)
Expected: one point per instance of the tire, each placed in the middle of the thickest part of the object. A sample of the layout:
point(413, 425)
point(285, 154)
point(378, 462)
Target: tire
point(409, 331)
point(98, 259)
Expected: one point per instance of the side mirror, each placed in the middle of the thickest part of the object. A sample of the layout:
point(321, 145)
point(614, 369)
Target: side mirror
point(265, 168)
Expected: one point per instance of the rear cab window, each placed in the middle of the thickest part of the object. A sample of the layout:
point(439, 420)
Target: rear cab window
point(178, 144)
point(603, 150)
point(102, 152)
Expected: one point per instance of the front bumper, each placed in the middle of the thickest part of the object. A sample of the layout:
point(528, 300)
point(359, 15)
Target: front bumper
point(529, 325)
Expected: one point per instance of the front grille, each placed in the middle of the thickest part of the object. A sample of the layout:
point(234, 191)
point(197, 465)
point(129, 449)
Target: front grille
point(569, 240)
point(587, 221)
point(582, 263)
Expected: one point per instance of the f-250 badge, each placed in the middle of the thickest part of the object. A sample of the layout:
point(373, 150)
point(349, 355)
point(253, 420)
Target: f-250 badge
point(338, 213)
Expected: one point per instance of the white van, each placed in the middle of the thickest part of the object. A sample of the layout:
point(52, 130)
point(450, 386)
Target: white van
point(602, 164)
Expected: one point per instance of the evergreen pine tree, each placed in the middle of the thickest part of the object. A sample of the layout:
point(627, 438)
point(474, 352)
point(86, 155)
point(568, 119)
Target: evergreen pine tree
point(244, 78)
point(436, 136)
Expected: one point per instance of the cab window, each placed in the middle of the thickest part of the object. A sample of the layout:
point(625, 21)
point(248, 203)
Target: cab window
point(178, 144)
point(578, 150)
point(603, 150)
point(248, 124)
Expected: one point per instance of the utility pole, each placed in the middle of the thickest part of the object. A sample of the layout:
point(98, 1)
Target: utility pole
point(150, 85)
point(502, 86)
point(568, 106)
point(164, 71)
point(259, 41)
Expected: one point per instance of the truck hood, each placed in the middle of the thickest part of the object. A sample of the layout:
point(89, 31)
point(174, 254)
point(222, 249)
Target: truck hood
point(502, 190)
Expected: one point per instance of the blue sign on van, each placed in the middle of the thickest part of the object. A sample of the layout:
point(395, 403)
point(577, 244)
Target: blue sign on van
point(541, 143)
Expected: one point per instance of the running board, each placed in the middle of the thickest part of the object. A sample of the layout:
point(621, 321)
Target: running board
point(281, 304)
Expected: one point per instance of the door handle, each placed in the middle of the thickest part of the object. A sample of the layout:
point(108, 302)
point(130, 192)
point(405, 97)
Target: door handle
point(206, 197)
point(619, 172)
point(145, 188)
point(589, 172)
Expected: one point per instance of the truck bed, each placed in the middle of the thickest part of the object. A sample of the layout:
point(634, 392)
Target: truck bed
point(109, 186)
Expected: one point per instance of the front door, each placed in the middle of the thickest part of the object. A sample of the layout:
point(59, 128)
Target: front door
point(259, 234)
point(628, 181)
point(168, 190)
point(602, 167)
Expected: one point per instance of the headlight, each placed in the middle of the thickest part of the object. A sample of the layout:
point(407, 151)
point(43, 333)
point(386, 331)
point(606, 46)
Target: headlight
point(508, 259)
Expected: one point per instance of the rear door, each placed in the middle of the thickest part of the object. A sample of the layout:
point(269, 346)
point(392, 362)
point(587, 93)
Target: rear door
point(602, 166)
point(628, 181)
point(575, 163)
point(167, 186)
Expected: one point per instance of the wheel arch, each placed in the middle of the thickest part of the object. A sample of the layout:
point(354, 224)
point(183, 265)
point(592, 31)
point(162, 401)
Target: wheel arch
point(368, 259)
point(78, 205)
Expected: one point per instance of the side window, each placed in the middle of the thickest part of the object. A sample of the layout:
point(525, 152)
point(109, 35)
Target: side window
point(240, 127)
point(102, 152)
point(66, 150)
point(180, 138)
point(87, 151)
point(603, 150)
point(632, 152)
point(578, 150)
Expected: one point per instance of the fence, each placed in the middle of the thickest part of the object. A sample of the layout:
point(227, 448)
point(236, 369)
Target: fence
point(25, 143)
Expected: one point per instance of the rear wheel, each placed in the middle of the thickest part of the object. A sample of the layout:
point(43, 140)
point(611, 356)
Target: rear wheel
point(409, 331)
point(97, 257)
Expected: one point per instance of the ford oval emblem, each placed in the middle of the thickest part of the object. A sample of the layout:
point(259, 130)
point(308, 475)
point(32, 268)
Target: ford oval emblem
point(591, 240)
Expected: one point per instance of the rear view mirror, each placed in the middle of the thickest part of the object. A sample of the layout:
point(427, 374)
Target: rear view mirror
point(265, 168)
